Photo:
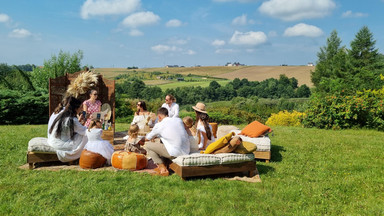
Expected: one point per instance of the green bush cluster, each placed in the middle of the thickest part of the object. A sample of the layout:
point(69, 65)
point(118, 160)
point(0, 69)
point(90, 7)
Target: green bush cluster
point(18, 107)
point(338, 111)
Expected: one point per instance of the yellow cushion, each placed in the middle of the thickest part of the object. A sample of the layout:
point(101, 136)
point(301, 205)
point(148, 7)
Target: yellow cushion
point(245, 148)
point(255, 129)
point(219, 143)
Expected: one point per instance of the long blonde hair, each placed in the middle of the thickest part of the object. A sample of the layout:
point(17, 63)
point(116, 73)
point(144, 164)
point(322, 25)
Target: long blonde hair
point(133, 131)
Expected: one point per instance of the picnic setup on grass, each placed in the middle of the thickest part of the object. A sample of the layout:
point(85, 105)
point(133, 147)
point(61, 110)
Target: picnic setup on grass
point(81, 134)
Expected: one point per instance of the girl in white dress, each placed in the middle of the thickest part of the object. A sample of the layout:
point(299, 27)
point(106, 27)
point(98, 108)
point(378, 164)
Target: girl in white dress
point(96, 144)
point(204, 129)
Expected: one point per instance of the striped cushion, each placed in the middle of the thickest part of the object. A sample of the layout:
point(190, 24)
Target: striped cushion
point(197, 159)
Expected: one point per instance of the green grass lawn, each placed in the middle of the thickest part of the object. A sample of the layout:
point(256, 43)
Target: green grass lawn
point(312, 172)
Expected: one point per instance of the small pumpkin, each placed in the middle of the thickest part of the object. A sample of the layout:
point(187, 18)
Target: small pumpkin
point(128, 160)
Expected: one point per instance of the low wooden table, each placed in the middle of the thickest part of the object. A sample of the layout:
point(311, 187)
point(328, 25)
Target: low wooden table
point(193, 171)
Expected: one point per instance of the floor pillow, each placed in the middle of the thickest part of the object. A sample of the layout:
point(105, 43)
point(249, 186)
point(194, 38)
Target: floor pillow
point(91, 160)
point(128, 160)
point(219, 143)
point(255, 129)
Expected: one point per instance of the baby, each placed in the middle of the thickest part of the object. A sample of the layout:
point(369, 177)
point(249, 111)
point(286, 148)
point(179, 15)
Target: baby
point(191, 131)
point(134, 144)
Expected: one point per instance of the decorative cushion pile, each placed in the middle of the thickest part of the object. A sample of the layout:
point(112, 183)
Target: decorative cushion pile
point(40, 145)
point(128, 160)
point(245, 147)
point(91, 160)
point(255, 129)
point(197, 159)
point(219, 143)
point(263, 143)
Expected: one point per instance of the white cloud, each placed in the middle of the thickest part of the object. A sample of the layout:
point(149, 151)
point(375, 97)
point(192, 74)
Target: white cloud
point(240, 20)
point(225, 51)
point(302, 29)
point(165, 48)
point(20, 33)
point(272, 34)
point(108, 7)
point(248, 38)
point(140, 19)
point(190, 52)
point(174, 23)
point(292, 10)
point(349, 14)
point(135, 33)
point(218, 43)
point(4, 18)
point(177, 41)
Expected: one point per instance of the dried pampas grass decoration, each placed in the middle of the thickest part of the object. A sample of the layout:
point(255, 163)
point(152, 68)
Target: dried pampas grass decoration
point(82, 84)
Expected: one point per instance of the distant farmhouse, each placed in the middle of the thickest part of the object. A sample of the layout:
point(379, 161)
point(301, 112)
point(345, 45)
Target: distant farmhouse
point(310, 64)
point(171, 66)
point(234, 64)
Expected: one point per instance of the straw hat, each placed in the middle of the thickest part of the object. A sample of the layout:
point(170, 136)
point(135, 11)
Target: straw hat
point(200, 107)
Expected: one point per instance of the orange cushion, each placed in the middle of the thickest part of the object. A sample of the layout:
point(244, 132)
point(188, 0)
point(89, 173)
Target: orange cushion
point(128, 160)
point(255, 129)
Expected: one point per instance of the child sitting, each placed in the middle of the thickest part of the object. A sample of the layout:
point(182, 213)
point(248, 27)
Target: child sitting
point(191, 131)
point(134, 144)
point(96, 144)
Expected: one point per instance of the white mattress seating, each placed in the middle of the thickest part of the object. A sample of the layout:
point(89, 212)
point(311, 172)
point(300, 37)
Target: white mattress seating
point(197, 159)
point(263, 143)
point(40, 145)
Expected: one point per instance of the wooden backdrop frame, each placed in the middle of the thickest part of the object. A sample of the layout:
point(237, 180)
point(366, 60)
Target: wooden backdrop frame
point(106, 94)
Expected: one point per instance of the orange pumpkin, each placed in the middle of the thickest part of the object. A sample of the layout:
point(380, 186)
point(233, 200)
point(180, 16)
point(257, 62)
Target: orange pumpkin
point(91, 160)
point(128, 160)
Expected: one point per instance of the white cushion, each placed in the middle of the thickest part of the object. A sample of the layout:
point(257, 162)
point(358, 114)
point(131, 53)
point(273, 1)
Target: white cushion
point(197, 159)
point(262, 143)
point(40, 144)
point(230, 158)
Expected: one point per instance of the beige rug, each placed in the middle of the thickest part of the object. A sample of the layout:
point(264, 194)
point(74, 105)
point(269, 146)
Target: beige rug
point(148, 169)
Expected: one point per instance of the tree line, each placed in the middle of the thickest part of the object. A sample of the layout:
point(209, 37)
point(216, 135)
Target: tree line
point(283, 87)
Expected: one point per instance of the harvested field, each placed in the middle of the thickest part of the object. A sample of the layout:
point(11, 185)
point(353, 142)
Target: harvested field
point(252, 73)
point(260, 73)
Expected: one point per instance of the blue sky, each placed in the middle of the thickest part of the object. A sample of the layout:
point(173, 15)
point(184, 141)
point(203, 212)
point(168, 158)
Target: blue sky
point(154, 33)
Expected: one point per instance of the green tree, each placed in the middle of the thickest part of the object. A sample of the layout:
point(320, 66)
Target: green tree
point(365, 60)
point(57, 66)
point(332, 64)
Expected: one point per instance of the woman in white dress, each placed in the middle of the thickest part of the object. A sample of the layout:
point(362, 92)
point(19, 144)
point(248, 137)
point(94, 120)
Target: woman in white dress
point(142, 116)
point(96, 144)
point(66, 134)
point(204, 129)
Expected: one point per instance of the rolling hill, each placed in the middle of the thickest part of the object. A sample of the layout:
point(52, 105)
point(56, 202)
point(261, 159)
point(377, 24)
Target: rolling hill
point(252, 73)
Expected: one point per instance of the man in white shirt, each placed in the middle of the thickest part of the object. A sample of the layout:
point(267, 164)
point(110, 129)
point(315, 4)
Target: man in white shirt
point(174, 138)
point(172, 106)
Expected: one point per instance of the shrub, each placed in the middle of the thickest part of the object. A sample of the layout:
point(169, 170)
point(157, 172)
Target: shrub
point(285, 118)
point(17, 107)
point(337, 111)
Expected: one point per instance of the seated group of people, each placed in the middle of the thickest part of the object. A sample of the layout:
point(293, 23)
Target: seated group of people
point(70, 130)
point(176, 136)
